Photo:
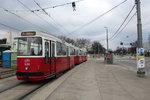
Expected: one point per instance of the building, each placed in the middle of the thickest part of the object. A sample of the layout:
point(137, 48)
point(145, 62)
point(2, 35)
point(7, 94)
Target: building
point(146, 46)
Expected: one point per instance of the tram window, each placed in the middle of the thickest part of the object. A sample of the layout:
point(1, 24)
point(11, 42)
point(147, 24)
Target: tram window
point(61, 49)
point(77, 52)
point(32, 51)
point(64, 49)
point(72, 51)
point(29, 46)
point(53, 50)
point(46, 52)
point(67, 51)
point(80, 52)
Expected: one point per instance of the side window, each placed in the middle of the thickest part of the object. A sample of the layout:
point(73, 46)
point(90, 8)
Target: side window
point(80, 53)
point(77, 52)
point(72, 51)
point(59, 48)
point(67, 51)
point(46, 52)
point(53, 50)
point(64, 49)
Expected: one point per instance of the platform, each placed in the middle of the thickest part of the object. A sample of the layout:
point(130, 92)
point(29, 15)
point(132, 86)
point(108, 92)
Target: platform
point(95, 80)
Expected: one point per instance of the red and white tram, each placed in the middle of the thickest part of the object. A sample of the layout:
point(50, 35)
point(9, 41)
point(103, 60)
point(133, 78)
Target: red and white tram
point(42, 56)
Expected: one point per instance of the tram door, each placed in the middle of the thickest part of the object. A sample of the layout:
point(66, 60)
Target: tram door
point(47, 55)
point(52, 57)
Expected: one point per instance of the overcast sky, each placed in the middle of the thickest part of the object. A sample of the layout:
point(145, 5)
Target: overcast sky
point(63, 20)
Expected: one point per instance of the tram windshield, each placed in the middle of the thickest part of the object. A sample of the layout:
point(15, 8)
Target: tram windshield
point(30, 46)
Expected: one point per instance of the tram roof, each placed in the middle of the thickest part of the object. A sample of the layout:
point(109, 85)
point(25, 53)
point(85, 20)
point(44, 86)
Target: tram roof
point(41, 34)
point(47, 35)
point(53, 37)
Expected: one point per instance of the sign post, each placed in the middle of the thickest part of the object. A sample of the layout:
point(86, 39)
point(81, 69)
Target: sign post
point(140, 62)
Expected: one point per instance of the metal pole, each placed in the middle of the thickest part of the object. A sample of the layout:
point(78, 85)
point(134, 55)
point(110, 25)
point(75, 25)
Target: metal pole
point(107, 43)
point(140, 71)
point(139, 24)
point(107, 37)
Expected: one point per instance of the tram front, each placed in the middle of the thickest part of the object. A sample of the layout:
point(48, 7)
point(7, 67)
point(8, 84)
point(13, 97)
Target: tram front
point(30, 57)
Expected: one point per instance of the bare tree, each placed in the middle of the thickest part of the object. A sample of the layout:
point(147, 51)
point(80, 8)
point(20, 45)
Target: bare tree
point(68, 40)
point(92, 47)
point(81, 43)
point(97, 48)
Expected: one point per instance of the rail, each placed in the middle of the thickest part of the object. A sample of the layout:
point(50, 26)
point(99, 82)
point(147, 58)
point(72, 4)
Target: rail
point(7, 73)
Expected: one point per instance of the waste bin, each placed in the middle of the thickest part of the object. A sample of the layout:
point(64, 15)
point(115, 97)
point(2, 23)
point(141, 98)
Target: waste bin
point(109, 58)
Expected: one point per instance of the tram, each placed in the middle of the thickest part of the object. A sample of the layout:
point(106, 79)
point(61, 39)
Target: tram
point(42, 56)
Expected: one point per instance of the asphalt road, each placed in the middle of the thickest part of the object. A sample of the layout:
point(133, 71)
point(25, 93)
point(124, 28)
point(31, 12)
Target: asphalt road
point(130, 62)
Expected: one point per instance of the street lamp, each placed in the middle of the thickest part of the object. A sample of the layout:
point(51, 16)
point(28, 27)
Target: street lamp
point(107, 38)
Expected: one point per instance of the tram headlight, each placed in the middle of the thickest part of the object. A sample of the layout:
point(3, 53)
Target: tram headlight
point(26, 68)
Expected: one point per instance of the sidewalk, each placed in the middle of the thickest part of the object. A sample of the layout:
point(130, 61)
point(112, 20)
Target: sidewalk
point(94, 80)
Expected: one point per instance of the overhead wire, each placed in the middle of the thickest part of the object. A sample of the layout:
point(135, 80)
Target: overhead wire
point(122, 23)
point(10, 27)
point(21, 18)
point(98, 17)
point(35, 13)
point(124, 26)
point(57, 5)
point(30, 10)
point(50, 16)
point(45, 7)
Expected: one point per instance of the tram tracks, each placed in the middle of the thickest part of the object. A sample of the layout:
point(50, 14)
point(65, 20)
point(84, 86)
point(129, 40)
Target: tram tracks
point(6, 89)
point(25, 90)
point(32, 91)
point(21, 90)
